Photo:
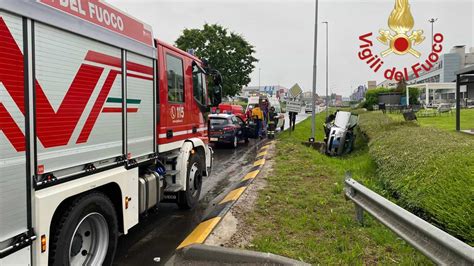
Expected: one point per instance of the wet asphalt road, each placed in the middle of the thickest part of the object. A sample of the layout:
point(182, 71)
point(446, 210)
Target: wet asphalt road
point(154, 240)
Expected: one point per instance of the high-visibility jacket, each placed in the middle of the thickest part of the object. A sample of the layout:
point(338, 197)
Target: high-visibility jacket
point(257, 113)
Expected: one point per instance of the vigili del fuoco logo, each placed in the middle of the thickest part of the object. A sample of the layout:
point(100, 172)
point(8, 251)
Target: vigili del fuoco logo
point(400, 40)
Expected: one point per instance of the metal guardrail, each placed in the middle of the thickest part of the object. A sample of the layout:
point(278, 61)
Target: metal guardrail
point(439, 246)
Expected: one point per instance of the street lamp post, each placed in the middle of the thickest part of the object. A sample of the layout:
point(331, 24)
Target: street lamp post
point(259, 78)
point(313, 108)
point(432, 21)
point(327, 67)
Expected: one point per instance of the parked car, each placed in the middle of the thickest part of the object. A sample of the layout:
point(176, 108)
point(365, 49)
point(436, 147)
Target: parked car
point(227, 128)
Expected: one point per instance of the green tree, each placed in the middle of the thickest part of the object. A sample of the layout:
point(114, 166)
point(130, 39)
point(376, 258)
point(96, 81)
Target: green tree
point(225, 51)
point(372, 97)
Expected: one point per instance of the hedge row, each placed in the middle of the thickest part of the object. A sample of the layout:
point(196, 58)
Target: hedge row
point(427, 171)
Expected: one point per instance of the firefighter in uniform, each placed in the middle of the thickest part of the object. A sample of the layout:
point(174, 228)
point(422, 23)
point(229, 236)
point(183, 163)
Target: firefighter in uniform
point(272, 122)
point(257, 116)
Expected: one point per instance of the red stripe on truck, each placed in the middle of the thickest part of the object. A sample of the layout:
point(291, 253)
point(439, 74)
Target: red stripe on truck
point(56, 128)
point(52, 128)
point(104, 59)
point(11, 130)
point(139, 68)
point(99, 103)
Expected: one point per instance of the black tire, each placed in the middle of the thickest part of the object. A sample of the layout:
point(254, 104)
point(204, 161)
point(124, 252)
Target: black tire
point(63, 231)
point(246, 140)
point(189, 199)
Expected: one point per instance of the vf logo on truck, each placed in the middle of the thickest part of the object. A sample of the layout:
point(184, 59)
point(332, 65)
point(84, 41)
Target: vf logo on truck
point(401, 40)
point(74, 103)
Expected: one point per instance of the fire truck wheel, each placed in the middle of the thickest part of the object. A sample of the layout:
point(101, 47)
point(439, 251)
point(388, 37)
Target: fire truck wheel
point(86, 233)
point(189, 199)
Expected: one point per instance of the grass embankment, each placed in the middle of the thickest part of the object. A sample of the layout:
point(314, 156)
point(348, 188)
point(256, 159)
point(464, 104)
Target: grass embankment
point(444, 121)
point(428, 171)
point(303, 214)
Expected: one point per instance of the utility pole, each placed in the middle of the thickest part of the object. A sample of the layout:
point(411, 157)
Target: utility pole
point(432, 21)
point(313, 108)
point(327, 67)
point(259, 78)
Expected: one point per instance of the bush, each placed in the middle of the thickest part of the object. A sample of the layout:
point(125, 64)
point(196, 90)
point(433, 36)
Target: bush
point(414, 95)
point(372, 97)
point(427, 171)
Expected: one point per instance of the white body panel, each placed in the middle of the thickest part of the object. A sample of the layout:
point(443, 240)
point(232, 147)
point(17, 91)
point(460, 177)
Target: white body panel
point(21, 257)
point(47, 200)
point(61, 68)
point(13, 190)
point(140, 95)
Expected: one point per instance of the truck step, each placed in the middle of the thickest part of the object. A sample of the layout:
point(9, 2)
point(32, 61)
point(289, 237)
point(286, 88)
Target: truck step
point(173, 188)
point(172, 157)
point(172, 172)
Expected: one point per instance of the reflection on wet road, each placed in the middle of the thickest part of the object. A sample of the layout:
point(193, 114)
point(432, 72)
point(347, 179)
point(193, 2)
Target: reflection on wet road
point(156, 237)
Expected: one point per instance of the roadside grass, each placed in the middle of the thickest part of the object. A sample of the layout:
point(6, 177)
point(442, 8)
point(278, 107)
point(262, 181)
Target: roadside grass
point(445, 121)
point(303, 214)
point(428, 171)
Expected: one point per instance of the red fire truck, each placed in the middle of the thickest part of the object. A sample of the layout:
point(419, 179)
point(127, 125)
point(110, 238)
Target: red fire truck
point(99, 123)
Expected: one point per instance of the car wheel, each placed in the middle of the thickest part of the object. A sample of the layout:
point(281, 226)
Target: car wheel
point(189, 199)
point(86, 233)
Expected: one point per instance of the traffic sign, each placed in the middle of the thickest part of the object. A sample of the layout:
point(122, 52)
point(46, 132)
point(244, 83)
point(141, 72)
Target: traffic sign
point(293, 106)
point(295, 91)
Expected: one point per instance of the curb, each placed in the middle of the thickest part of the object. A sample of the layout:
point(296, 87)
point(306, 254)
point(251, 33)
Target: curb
point(209, 255)
point(210, 221)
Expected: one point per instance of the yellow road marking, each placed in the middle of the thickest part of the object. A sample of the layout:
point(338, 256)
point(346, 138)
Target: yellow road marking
point(200, 233)
point(251, 175)
point(262, 153)
point(259, 162)
point(233, 195)
point(265, 147)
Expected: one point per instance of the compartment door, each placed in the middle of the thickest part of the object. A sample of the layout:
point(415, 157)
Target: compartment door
point(140, 106)
point(77, 119)
point(13, 180)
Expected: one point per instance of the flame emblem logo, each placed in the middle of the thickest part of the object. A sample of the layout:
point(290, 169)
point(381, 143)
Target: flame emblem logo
point(401, 22)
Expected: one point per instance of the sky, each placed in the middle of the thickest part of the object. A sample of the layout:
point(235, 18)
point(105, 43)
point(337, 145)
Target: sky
point(283, 33)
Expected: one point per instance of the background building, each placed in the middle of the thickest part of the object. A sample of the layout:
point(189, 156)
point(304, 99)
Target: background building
point(359, 94)
point(371, 84)
point(437, 85)
point(273, 90)
point(444, 70)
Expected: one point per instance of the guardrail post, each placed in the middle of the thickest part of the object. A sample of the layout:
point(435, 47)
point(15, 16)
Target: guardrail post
point(439, 246)
point(359, 211)
point(359, 214)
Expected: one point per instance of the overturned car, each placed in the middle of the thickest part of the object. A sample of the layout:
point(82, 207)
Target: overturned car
point(339, 129)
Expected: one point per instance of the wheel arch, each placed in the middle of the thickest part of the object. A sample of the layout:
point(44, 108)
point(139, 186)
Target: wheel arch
point(200, 148)
point(111, 190)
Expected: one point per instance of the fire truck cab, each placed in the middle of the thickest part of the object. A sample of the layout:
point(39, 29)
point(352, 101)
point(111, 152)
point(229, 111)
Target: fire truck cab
point(99, 123)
